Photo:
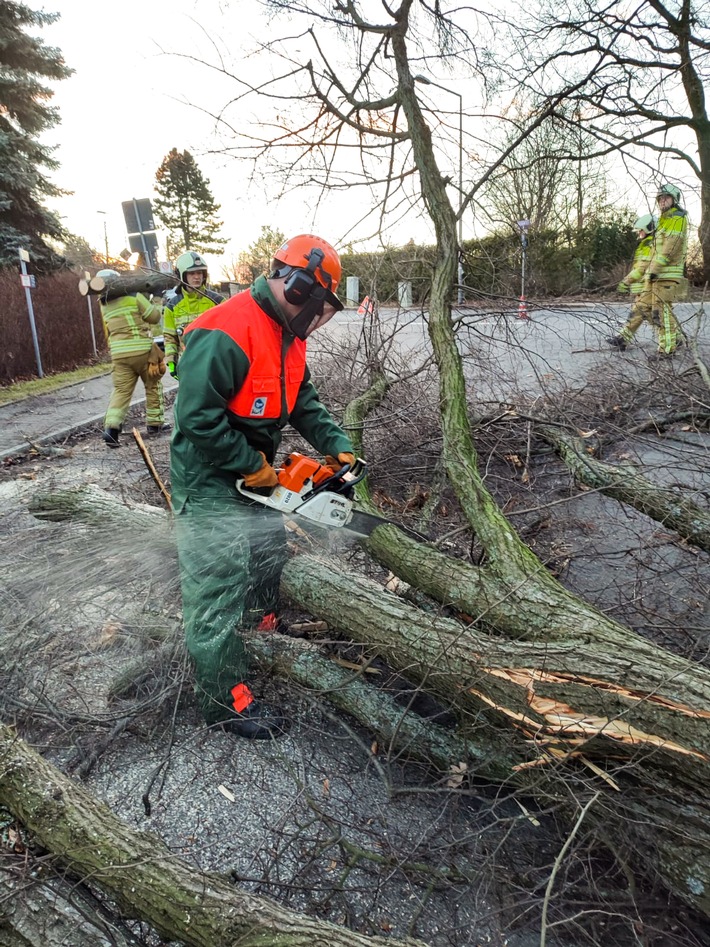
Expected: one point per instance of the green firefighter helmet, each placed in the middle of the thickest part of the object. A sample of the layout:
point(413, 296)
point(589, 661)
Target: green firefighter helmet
point(647, 222)
point(108, 275)
point(669, 190)
point(190, 262)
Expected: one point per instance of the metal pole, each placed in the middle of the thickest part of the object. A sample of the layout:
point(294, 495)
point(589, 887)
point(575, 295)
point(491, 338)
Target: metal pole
point(91, 316)
point(24, 258)
point(147, 258)
point(105, 237)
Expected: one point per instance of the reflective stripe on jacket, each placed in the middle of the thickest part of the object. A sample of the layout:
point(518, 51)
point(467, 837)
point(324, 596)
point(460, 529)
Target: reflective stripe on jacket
point(179, 312)
point(670, 245)
point(128, 322)
point(642, 258)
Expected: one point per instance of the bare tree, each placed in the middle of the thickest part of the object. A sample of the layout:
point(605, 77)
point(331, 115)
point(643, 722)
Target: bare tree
point(646, 95)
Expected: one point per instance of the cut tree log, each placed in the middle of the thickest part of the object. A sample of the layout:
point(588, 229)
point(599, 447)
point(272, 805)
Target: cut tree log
point(128, 283)
point(140, 874)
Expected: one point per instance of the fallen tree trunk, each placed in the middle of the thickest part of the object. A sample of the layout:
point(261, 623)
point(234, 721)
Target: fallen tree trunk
point(627, 485)
point(639, 719)
point(599, 699)
point(142, 876)
point(127, 284)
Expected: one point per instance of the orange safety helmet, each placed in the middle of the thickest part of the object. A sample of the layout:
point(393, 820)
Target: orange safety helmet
point(296, 253)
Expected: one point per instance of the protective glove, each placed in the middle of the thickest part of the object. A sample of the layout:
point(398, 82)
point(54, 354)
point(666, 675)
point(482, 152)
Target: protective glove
point(335, 463)
point(172, 368)
point(156, 369)
point(653, 276)
point(622, 287)
point(265, 476)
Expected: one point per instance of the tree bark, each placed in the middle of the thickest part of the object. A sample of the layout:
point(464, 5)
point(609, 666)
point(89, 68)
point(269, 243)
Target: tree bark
point(127, 284)
point(142, 876)
point(563, 698)
point(636, 716)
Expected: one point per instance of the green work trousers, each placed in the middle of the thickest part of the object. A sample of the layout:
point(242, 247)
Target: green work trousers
point(655, 306)
point(126, 372)
point(231, 554)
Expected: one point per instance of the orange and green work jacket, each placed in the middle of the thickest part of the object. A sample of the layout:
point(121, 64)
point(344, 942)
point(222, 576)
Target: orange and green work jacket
point(670, 245)
point(245, 377)
point(180, 311)
point(128, 321)
point(642, 258)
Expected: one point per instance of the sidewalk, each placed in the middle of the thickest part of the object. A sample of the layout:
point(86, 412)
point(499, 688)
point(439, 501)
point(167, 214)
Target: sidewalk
point(46, 418)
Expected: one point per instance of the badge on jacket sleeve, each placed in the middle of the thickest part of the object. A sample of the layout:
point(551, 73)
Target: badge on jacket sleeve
point(258, 408)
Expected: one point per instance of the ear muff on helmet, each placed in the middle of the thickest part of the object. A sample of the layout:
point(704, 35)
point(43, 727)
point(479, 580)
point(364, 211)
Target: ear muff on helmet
point(300, 283)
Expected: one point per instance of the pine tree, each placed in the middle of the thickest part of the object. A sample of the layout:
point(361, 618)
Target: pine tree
point(24, 115)
point(186, 207)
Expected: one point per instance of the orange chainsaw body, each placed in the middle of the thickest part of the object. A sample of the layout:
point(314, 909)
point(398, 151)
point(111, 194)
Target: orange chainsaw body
point(299, 471)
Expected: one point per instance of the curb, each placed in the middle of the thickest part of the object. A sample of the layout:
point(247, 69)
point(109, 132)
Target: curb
point(25, 447)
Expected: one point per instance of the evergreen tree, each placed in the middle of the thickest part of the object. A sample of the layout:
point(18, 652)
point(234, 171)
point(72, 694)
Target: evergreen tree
point(24, 115)
point(186, 207)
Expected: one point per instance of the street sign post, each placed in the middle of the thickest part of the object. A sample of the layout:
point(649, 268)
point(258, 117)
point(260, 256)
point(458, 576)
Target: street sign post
point(28, 282)
point(140, 227)
point(87, 276)
point(522, 304)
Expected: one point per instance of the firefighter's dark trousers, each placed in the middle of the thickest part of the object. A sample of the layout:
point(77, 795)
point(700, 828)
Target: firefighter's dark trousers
point(231, 554)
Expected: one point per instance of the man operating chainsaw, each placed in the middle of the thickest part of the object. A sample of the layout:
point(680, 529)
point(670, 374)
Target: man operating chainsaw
point(244, 378)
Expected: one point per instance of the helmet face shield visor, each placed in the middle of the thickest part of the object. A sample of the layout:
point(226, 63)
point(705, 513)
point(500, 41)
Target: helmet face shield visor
point(317, 311)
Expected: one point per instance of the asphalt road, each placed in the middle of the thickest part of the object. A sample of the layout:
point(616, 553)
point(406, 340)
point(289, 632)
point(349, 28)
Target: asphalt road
point(504, 355)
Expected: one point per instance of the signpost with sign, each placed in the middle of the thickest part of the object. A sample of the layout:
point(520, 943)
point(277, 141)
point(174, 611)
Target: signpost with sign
point(524, 226)
point(29, 283)
point(140, 227)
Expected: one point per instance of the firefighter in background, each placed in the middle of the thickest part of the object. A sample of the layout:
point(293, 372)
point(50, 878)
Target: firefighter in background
point(665, 281)
point(190, 300)
point(128, 322)
point(244, 378)
point(635, 282)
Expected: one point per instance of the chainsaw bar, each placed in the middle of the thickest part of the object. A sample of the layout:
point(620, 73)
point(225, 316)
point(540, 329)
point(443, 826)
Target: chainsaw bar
point(365, 523)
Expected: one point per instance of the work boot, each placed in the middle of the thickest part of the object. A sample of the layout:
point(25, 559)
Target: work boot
point(251, 719)
point(110, 435)
point(617, 342)
point(256, 722)
point(155, 429)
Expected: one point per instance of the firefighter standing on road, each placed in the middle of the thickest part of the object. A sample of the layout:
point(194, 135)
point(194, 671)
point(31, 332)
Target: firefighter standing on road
point(128, 322)
point(635, 282)
point(665, 278)
point(190, 300)
point(244, 378)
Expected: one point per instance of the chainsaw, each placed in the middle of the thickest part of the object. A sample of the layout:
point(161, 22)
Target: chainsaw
point(311, 490)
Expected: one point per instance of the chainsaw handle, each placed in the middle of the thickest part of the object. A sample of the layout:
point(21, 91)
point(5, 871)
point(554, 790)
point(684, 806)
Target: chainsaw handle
point(337, 483)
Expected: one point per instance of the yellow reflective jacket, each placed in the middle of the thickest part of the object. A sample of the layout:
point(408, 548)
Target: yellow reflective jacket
point(670, 245)
point(642, 258)
point(128, 321)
